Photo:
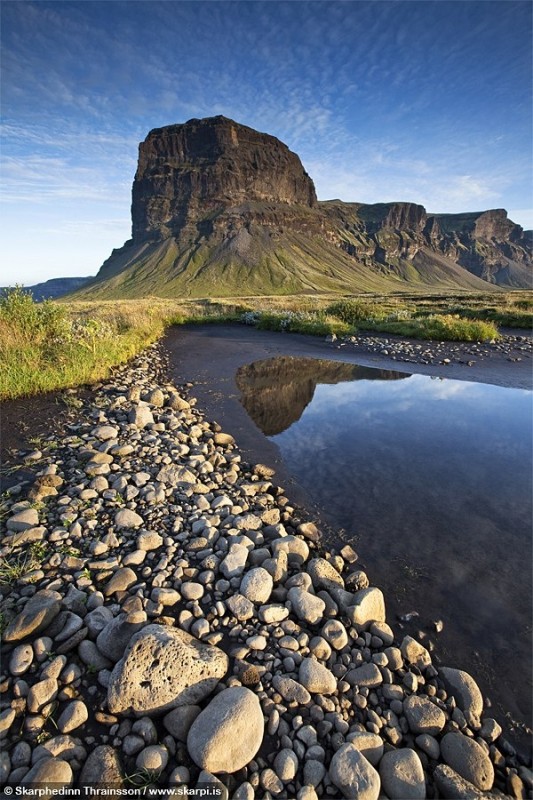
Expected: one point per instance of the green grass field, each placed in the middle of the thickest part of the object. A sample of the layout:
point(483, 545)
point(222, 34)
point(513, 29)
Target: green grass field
point(54, 345)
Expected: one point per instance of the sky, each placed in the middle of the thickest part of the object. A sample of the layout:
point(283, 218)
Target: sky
point(427, 101)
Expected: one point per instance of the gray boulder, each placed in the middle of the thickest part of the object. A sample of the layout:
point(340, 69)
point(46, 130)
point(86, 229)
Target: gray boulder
point(306, 606)
point(23, 520)
point(126, 518)
point(35, 617)
point(257, 585)
point(323, 574)
point(140, 416)
point(369, 744)
point(402, 775)
point(164, 668)
point(49, 772)
point(468, 759)
point(452, 786)
point(464, 688)
point(228, 733)
point(316, 678)
point(368, 607)
point(115, 637)
point(423, 716)
point(103, 768)
point(353, 774)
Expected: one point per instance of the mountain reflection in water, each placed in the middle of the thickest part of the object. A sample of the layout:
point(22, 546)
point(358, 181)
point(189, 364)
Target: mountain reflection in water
point(430, 479)
point(276, 391)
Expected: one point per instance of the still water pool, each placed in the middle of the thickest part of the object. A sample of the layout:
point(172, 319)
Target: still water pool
point(430, 479)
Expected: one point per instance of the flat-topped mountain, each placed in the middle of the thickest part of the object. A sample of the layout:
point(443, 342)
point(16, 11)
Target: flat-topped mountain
point(219, 209)
point(187, 172)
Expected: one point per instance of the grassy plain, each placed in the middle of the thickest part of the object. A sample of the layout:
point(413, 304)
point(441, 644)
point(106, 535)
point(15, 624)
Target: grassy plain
point(54, 345)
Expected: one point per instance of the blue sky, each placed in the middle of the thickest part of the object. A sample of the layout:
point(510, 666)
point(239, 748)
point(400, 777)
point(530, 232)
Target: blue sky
point(421, 101)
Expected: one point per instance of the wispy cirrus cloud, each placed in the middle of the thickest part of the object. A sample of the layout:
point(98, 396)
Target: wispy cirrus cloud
point(382, 100)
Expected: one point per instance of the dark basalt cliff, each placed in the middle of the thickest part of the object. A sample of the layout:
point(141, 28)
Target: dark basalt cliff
point(188, 172)
point(396, 235)
point(219, 209)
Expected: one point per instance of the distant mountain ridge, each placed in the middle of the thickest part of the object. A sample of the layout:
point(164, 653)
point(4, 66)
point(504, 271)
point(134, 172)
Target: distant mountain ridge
point(55, 287)
point(219, 209)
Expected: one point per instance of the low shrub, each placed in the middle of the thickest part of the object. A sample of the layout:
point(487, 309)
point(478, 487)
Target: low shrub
point(311, 323)
point(441, 327)
point(355, 311)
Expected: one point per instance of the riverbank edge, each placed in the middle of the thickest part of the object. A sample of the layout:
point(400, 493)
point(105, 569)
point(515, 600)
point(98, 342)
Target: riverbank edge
point(301, 544)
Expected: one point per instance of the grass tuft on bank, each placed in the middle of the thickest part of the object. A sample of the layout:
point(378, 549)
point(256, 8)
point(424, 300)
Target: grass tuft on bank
point(44, 347)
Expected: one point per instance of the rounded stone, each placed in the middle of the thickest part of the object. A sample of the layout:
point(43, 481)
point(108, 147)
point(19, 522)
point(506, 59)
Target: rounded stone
point(316, 678)
point(368, 607)
point(140, 416)
point(270, 782)
point(402, 775)
point(257, 585)
point(21, 659)
point(468, 759)
point(291, 690)
point(464, 688)
point(323, 574)
point(120, 581)
point(307, 793)
point(314, 772)
point(49, 771)
point(415, 653)
point(423, 716)
point(228, 733)
point(42, 693)
point(353, 774)
point(241, 608)
point(153, 758)
point(28, 518)
point(178, 721)
point(105, 432)
point(149, 540)
point(369, 744)
point(35, 617)
point(126, 518)
point(306, 606)
point(286, 764)
point(335, 634)
point(191, 590)
point(74, 715)
point(102, 768)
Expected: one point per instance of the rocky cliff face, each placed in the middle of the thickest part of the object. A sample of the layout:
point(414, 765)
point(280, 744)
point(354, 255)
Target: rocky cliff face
point(219, 209)
point(187, 173)
point(394, 235)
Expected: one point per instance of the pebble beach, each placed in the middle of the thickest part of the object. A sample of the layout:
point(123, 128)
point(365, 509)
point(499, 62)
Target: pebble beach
point(170, 619)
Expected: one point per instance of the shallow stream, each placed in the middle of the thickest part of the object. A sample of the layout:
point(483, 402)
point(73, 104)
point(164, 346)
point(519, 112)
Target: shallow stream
point(430, 480)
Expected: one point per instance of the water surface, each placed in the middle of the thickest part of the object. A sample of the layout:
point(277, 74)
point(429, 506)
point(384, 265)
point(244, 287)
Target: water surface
point(430, 479)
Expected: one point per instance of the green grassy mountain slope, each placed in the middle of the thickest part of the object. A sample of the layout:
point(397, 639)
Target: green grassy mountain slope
point(293, 264)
